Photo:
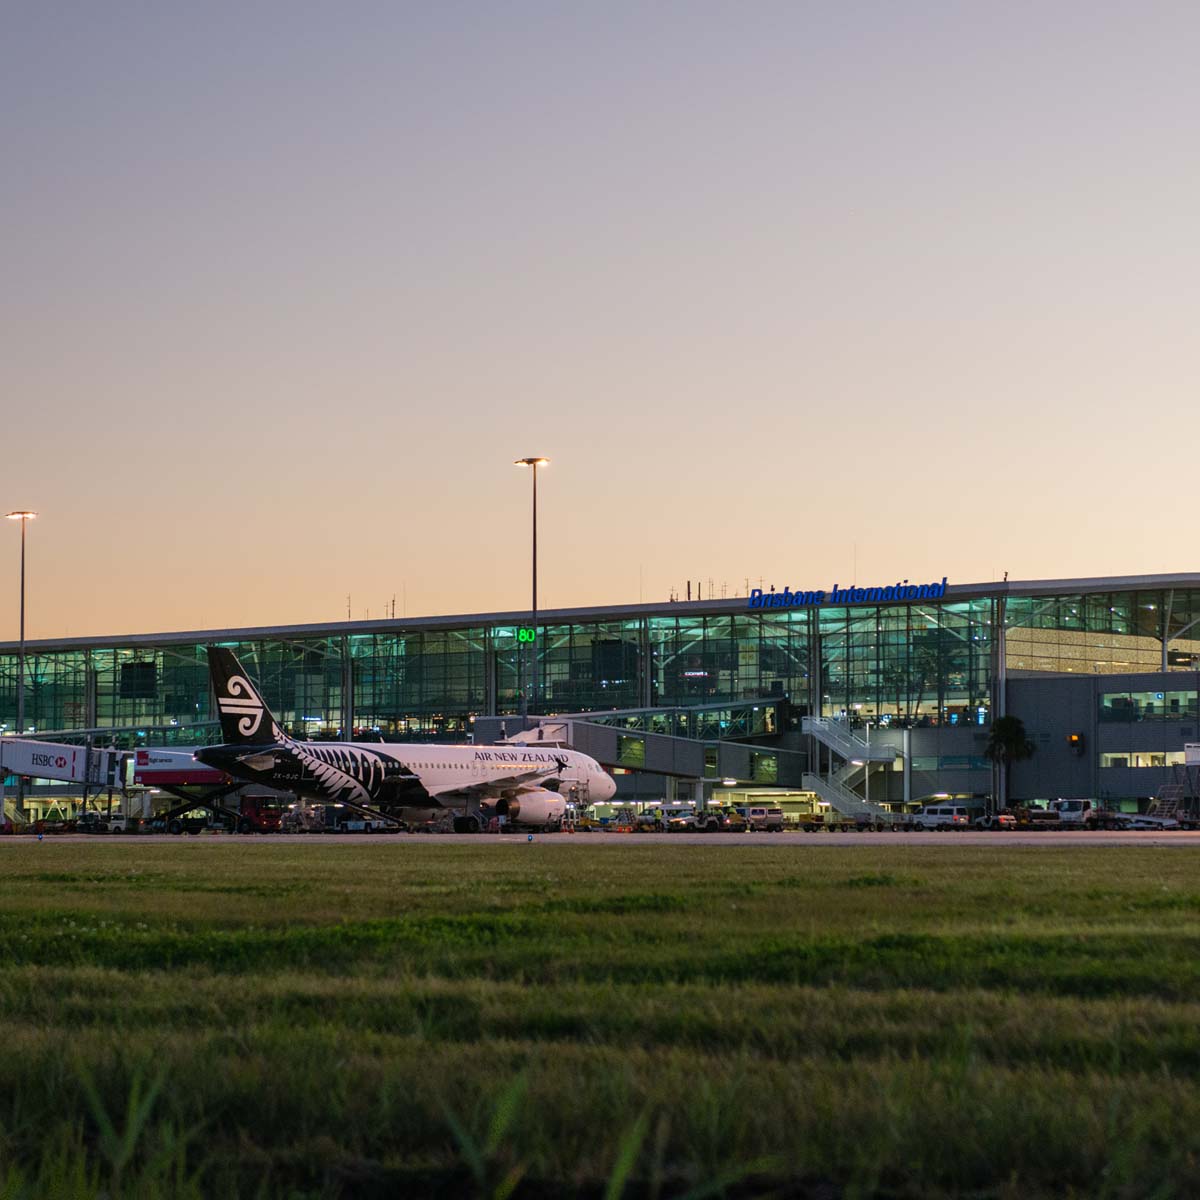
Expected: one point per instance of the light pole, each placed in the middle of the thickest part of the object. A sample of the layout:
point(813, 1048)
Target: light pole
point(533, 464)
point(24, 517)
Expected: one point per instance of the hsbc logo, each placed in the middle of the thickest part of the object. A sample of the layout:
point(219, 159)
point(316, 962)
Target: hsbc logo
point(48, 760)
point(240, 701)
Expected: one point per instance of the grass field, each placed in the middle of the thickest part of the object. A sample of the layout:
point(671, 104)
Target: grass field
point(449, 1018)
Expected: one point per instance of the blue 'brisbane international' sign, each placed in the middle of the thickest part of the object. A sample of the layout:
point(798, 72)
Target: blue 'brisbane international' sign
point(900, 591)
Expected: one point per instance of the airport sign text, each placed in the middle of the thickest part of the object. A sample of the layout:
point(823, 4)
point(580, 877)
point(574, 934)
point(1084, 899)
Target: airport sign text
point(899, 592)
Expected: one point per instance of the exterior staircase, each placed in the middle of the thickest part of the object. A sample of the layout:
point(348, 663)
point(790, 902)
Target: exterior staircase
point(843, 740)
point(1167, 802)
point(848, 803)
point(858, 755)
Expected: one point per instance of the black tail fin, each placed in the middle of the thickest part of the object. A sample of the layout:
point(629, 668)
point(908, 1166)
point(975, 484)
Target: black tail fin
point(245, 718)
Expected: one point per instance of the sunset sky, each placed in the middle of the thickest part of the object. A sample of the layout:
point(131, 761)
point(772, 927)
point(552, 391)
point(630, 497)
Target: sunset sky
point(784, 290)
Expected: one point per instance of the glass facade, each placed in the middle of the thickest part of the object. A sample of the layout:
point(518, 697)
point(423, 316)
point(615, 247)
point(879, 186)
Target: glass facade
point(690, 670)
point(923, 664)
point(1105, 633)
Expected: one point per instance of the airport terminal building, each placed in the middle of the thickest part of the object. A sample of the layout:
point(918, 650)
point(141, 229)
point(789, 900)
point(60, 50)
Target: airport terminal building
point(777, 690)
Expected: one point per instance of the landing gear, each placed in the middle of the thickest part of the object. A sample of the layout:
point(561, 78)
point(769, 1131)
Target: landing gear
point(468, 824)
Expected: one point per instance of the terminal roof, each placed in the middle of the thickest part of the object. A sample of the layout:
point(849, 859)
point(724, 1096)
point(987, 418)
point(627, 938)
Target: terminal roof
point(562, 616)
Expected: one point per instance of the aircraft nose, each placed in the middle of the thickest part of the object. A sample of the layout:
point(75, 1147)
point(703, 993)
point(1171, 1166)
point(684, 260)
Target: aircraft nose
point(609, 786)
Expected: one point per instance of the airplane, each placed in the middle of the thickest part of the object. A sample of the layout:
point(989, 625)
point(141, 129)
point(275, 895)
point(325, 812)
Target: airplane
point(519, 782)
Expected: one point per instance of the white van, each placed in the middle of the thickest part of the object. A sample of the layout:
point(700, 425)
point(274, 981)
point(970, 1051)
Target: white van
point(942, 816)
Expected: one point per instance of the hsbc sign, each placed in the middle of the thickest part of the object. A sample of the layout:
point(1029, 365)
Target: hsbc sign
point(48, 760)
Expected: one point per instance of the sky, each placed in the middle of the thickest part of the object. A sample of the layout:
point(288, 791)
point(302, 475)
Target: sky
point(798, 292)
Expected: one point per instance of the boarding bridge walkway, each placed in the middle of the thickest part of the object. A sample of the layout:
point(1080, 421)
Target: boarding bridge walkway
point(33, 758)
point(743, 720)
point(659, 754)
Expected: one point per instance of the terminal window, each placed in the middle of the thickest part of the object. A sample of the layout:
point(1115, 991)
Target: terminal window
point(1119, 707)
point(139, 681)
point(631, 751)
point(1142, 758)
point(764, 768)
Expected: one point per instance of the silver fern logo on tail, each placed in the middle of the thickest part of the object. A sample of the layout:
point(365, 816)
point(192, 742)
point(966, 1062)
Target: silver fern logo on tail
point(240, 701)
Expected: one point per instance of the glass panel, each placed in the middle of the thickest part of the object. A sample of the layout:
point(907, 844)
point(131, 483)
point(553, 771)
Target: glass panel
point(913, 664)
point(1148, 706)
point(631, 751)
point(1142, 758)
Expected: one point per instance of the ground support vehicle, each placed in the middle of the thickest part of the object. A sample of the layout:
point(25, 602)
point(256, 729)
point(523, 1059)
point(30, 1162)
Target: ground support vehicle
point(827, 820)
point(339, 818)
point(706, 821)
point(1034, 818)
point(762, 819)
point(1173, 802)
point(622, 820)
point(46, 825)
point(259, 814)
point(253, 814)
point(576, 820)
point(1086, 814)
point(91, 821)
point(863, 823)
point(188, 818)
point(995, 821)
point(1147, 821)
point(733, 821)
point(302, 818)
point(443, 823)
point(816, 822)
point(650, 822)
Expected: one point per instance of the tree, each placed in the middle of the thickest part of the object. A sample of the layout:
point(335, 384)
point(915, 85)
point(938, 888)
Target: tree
point(1007, 743)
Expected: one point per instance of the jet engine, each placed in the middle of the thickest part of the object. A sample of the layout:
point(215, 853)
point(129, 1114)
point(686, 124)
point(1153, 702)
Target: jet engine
point(538, 806)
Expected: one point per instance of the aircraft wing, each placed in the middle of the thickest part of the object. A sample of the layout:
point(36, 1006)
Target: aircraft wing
point(496, 786)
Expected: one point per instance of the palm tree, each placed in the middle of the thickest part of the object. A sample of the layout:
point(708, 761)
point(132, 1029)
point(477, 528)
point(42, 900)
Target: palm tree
point(1007, 743)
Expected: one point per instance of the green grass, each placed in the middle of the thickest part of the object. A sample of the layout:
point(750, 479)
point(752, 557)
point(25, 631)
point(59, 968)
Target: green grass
point(281, 1019)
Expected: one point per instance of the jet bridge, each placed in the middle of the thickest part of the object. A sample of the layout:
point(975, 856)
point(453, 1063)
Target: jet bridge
point(33, 759)
point(656, 753)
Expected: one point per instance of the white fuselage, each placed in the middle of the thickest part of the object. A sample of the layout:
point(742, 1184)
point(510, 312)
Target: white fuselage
point(447, 769)
point(411, 775)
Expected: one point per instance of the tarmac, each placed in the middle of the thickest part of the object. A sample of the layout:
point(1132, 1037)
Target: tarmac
point(1060, 839)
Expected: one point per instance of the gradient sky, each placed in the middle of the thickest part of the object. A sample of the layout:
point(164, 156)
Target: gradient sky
point(784, 290)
